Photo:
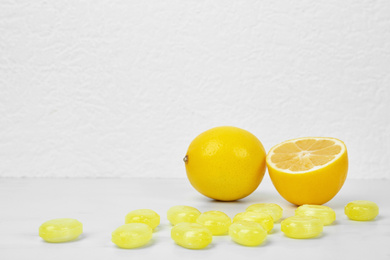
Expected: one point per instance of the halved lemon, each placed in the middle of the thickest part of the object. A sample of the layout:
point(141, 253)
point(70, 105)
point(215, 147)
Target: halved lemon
point(309, 170)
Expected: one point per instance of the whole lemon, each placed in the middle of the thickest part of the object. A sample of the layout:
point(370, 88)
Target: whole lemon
point(225, 163)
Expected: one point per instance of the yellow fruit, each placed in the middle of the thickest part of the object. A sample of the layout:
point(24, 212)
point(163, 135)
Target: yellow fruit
point(225, 163)
point(309, 170)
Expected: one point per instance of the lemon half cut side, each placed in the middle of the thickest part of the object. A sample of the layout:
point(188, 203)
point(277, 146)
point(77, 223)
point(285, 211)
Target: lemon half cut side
point(308, 170)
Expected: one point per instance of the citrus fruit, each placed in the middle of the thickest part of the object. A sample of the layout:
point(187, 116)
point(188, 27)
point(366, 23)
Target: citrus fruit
point(225, 163)
point(309, 170)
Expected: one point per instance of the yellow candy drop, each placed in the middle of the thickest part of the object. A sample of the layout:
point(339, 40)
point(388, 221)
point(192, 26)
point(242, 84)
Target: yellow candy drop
point(361, 210)
point(302, 227)
point(132, 235)
point(179, 214)
point(326, 214)
point(272, 209)
point(247, 233)
point(262, 218)
point(216, 221)
point(146, 216)
point(60, 230)
point(191, 235)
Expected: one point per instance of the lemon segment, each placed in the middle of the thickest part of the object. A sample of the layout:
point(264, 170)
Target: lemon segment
point(309, 170)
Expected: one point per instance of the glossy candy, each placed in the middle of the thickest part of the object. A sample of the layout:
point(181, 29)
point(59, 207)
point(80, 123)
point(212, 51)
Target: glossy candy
point(216, 221)
point(326, 214)
point(361, 210)
point(60, 230)
point(132, 235)
point(247, 233)
point(262, 218)
point(179, 214)
point(302, 227)
point(272, 209)
point(191, 235)
point(146, 216)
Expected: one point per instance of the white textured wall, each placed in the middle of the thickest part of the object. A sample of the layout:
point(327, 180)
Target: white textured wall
point(120, 88)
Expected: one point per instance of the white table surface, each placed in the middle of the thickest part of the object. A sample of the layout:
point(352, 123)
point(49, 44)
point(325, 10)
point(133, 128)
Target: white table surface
point(101, 205)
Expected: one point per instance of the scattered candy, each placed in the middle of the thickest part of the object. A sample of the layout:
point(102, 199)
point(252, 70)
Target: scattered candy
point(194, 230)
point(302, 227)
point(216, 221)
point(247, 233)
point(132, 235)
point(326, 214)
point(60, 230)
point(146, 216)
point(262, 218)
point(191, 235)
point(361, 210)
point(272, 209)
point(178, 214)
